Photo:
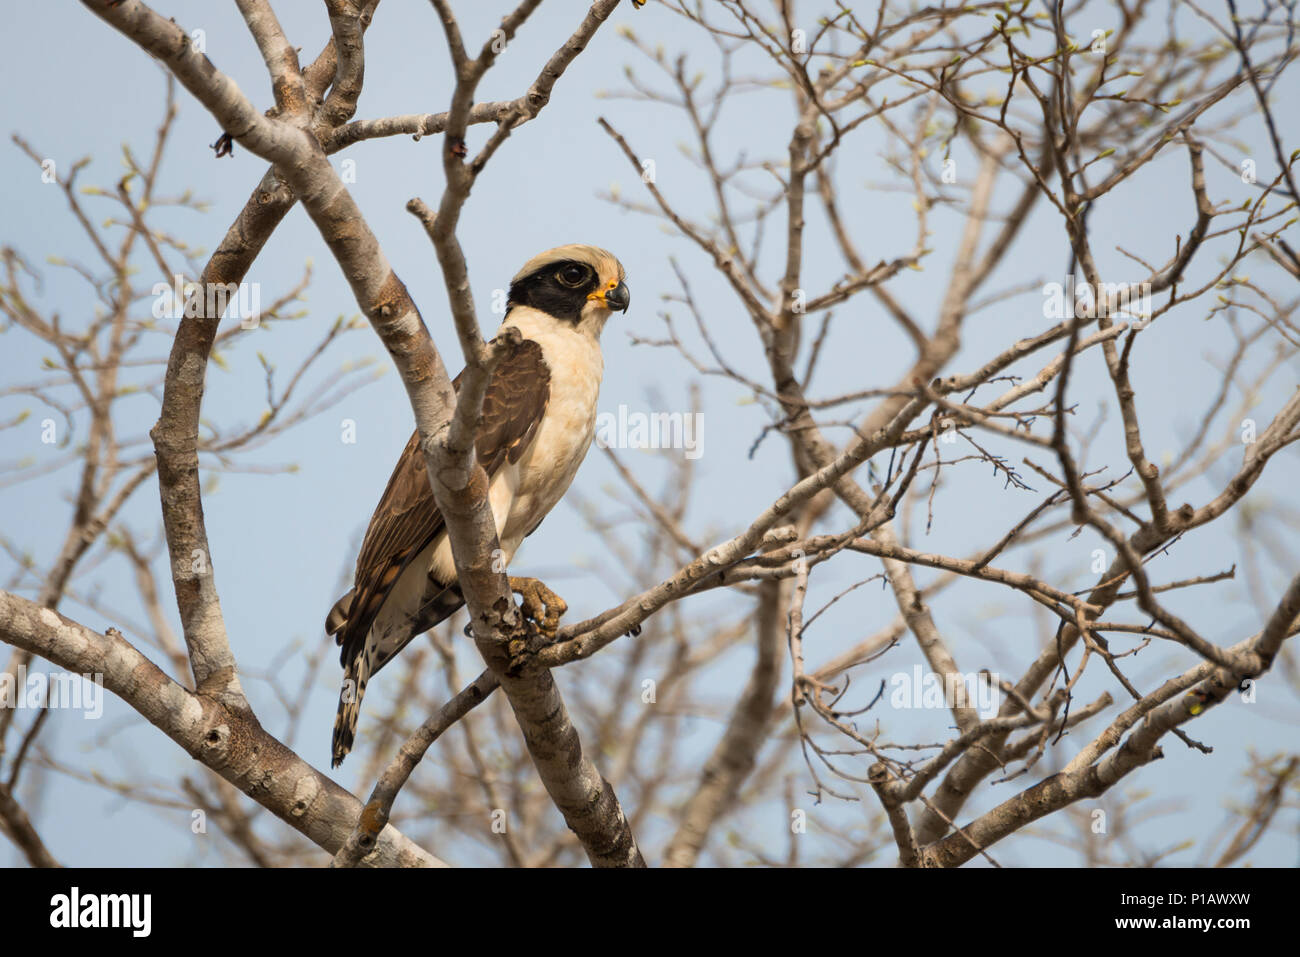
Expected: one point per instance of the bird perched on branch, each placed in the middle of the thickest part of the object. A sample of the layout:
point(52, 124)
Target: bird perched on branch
point(539, 417)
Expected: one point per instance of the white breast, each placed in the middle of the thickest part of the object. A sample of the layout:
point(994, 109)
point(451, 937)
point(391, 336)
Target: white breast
point(523, 493)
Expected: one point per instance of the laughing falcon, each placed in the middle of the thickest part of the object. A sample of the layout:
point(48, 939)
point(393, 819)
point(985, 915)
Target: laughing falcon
point(539, 417)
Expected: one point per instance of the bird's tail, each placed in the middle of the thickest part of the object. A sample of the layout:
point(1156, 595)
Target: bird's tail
point(373, 652)
point(355, 676)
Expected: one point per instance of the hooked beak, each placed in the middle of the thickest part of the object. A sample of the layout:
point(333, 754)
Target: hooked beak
point(618, 297)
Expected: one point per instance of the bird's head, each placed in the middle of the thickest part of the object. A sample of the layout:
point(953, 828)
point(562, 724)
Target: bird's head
point(575, 283)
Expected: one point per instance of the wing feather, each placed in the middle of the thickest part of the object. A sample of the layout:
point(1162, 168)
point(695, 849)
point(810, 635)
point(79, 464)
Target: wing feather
point(407, 519)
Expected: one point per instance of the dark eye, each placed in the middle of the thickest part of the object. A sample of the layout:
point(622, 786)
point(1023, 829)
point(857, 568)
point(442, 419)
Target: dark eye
point(573, 275)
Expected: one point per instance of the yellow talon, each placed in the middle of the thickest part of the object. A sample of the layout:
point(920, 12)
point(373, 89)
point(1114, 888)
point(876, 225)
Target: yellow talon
point(540, 605)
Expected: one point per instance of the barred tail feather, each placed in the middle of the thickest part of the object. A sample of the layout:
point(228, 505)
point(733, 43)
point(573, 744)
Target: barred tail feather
point(355, 677)
point(384, 636)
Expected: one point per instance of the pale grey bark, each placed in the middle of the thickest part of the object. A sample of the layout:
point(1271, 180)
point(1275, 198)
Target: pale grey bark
point(229, 741)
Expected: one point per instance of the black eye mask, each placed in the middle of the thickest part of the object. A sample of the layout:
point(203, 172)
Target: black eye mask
point(543, 290)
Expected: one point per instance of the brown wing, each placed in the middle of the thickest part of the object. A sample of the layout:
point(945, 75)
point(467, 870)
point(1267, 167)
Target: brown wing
point(407, 518)
point(513, 405)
